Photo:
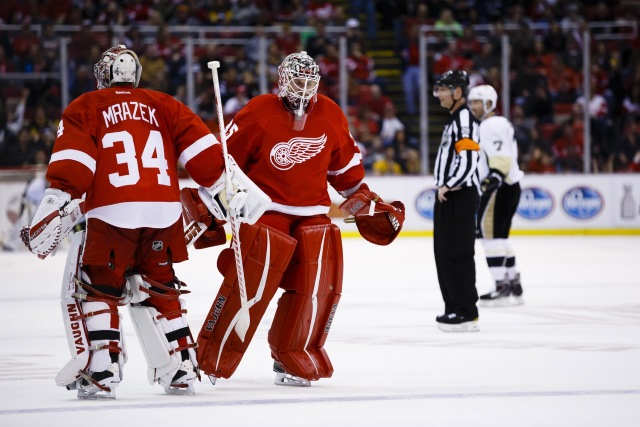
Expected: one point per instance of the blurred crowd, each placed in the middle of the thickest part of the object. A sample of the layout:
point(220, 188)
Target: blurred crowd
point(545, 72)
point(547, 99)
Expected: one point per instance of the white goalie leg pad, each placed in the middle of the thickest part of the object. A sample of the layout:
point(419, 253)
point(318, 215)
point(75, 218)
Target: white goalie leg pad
point(75, 328)
point(104, 373)
point(89, 335)
point(159, 341)
point(253, 201)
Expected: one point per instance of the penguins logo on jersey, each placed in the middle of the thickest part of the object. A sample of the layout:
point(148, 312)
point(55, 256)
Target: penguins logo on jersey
point(285, 155)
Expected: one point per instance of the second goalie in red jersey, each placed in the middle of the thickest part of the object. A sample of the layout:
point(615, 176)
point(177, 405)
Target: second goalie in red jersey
point(292, 145)
point(120, 146)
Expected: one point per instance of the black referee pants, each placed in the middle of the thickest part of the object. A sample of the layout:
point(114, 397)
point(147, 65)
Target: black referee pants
point(454, 234)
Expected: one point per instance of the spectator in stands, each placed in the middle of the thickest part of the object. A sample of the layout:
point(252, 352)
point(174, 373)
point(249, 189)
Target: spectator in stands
point(41, 122)
point(367, 8)
point(245, 12)
point(628, 149)
point(372, 144)
point(235, 103)
point(540, 162)
point(486, 58)
point(410, 55)
point(23, 41)
point(132, 38)
point(387, 165)
point(408, 157)
point(563, 81)
point(554, 40)
point(153, 69)
point(11, 120)
point(567, 149)
point(468, 45)
point(631, 102)
point(353, 33)
point(241, 61)
point(316, 45)
point(176, 69)
point(377, 100)
point(19, 152)
point(539, 105)
point(287, 41)
point(390, 125)
point(601, 125)
point(448, 24)
point(366, 117)
point(572, 55)
point(84, 81)
point(165, 40)
point(449, 59)
point(83, 40)
point(6, 65)
point(359, 65)
point(50, 43)
point(112, 14)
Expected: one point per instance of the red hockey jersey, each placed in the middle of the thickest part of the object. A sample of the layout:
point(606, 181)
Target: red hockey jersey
point(293, 167)
point(121, 145)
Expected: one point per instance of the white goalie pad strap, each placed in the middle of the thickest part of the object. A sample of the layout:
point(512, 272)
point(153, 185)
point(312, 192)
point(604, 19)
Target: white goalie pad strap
point(134, 283)
point(159, 352)
point(249, 201)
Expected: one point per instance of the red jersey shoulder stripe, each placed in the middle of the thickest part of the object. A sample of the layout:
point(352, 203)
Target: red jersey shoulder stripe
point(75, 155)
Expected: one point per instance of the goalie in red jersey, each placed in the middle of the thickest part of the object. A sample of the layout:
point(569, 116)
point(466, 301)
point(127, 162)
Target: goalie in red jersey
point(117, 148)
point(291, 145)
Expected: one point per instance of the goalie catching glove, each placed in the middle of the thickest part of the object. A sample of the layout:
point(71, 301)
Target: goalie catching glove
point(202, 229)
point(247, 201)
point(378, 222)
point(55, 218)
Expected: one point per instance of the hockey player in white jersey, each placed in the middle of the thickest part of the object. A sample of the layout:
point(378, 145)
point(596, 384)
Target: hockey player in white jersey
point(500, 178)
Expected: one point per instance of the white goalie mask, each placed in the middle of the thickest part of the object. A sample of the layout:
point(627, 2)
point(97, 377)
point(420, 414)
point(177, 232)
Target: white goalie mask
point(484, 93)
point(118, 65)
point(299, 77)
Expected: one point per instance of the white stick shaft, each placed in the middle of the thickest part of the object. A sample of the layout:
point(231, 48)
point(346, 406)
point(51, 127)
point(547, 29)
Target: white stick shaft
point(243, 321)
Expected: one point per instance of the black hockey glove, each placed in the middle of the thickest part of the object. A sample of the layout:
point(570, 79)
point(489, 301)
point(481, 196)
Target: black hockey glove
point(492, 182)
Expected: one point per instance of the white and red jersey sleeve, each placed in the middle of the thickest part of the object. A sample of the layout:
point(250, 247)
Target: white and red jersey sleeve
point(120, 147)
point(294, 167)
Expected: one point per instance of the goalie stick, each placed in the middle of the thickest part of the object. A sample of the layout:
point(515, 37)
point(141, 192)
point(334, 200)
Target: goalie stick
point(244, 320)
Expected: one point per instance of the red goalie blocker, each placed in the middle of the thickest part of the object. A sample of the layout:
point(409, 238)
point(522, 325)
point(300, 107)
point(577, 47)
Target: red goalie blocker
point(378, 222)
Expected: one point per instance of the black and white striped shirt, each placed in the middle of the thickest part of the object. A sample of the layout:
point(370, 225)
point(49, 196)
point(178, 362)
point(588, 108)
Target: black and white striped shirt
point(457, 161)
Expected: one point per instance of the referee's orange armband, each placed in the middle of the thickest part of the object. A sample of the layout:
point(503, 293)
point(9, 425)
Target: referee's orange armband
point(467, 144)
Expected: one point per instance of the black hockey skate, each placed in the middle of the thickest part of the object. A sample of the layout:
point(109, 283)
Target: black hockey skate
point(501, 297)
point(516, 290)
point(97, 385)
point(282, 378)
point(454, 322)
point(181, 383)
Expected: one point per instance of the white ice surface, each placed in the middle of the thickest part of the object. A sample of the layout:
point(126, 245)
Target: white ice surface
point(569, 357)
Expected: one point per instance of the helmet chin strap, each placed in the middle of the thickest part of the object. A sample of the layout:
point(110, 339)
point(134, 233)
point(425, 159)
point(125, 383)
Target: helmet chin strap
point(455, 101)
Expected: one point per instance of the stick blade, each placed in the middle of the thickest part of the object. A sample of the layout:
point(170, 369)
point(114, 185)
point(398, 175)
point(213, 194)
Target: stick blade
point(242, 325)
point(213, 64)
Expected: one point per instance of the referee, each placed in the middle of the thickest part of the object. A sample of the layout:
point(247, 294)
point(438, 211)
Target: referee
point(454, 222)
